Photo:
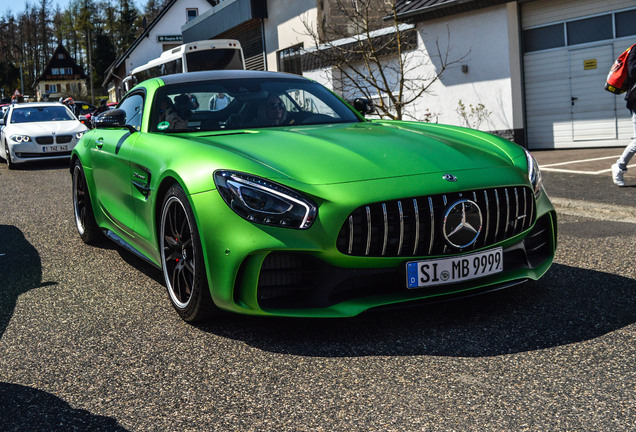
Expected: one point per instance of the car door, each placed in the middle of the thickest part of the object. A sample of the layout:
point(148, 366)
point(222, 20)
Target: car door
point(110, 153)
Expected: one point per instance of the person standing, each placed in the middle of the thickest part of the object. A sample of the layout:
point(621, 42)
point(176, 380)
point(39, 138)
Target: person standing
point(103, 107)
point(620, 167)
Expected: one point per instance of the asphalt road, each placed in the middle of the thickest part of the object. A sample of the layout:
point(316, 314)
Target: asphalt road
point(89, 341)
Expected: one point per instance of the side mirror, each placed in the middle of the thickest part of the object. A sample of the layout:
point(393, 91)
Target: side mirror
point(111, 119)
point(363, 106)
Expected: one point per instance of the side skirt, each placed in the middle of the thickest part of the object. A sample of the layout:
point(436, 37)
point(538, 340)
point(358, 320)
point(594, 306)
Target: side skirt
point(121, 242)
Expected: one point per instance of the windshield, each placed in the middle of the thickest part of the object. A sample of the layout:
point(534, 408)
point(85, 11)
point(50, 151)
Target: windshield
point(41, 114)
point(245, 104)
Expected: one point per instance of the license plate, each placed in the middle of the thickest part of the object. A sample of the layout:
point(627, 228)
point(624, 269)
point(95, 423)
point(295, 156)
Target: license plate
point(442, 271)
point(54, 148)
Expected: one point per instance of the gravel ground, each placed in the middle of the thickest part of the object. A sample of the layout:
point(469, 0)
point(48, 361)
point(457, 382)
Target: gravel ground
point(90, 342)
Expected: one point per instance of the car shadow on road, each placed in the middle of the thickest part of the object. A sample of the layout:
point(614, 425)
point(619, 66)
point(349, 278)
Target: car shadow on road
point(20, 271)
point(42, 165)
point(27, 409)
point(24, 408)
point(568, 305)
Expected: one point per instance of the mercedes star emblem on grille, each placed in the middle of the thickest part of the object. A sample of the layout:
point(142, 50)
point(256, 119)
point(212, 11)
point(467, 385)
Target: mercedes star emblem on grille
point(462, 223)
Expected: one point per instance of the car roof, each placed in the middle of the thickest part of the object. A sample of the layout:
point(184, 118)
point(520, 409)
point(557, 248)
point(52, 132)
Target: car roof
point(225, 74)
point(36, 104)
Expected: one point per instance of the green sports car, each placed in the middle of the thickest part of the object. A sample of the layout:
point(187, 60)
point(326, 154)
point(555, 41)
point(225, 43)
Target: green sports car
point(264, 193)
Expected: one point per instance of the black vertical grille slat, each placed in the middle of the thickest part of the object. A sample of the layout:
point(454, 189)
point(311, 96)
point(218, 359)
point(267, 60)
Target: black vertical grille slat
point(44, 140)
point(412, 226)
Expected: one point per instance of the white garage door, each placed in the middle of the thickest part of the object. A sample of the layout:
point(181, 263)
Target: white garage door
point(565, 66)
point(593, 108)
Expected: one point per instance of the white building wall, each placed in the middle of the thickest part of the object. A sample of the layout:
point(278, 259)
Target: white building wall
point(482, 38)
point(285, 26)
point(170, 24)
point(487, 43)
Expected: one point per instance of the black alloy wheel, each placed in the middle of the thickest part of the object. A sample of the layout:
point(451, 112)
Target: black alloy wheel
point(82, 209)
point(182, 259)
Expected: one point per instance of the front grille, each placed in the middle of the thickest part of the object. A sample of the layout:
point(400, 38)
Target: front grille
point(63, 139)
point(44, 140)
point(413, 226)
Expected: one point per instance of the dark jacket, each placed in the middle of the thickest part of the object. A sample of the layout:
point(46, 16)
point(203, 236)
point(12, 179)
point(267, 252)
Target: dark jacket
point(630, 97)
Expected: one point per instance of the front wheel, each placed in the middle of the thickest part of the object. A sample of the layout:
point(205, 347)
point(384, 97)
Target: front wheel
point(10, 163)
point(182, 258)
point(82, 209)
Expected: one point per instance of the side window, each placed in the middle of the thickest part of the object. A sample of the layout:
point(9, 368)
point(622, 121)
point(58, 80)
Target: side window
point(133, 106)
point(307, 102)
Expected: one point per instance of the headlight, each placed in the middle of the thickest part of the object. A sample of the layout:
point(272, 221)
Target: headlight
point(534, 174)
point(79, 134)
point(20, 138)
point(261, 201)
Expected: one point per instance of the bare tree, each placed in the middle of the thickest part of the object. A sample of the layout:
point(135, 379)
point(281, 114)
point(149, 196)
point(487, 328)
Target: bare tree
point(374, 55)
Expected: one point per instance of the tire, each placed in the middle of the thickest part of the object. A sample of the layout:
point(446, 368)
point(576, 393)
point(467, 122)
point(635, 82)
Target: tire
point(182, 259)
point(82, 208)
point(10, 163)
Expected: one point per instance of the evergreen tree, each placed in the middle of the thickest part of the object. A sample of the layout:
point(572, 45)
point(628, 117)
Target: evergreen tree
point(127, 28)
point(106, 55)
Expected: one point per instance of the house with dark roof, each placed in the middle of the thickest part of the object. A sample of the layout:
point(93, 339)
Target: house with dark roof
point(62, 77)
point(161, 34)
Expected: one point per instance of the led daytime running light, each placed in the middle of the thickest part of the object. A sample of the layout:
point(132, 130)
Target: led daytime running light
point(20, 138)
point(534, 174)
point(261, 201)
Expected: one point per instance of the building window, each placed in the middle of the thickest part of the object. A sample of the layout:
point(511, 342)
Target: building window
point(50, 88)
point(191, 14)
point(289, 59)
point(626, 23)
point(60, 56)
point(580, 31)
point(542, 38)
point(68, 71)
point(55, 71)
point(590, 30)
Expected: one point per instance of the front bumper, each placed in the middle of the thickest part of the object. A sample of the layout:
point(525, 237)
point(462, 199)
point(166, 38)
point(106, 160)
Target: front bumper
point(260, 270)
point(31, 151)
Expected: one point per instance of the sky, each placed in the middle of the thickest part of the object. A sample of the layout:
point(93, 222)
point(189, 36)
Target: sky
point(19, 5)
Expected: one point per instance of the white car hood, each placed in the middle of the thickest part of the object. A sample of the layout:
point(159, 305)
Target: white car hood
point(36, 129)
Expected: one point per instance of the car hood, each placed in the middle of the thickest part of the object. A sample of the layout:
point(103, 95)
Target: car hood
point(370, 150)
point(46, 128)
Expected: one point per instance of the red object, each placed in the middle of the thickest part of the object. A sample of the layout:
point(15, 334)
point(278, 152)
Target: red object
point(617, 82)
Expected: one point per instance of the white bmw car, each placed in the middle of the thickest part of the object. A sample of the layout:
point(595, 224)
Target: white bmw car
point(38, 131)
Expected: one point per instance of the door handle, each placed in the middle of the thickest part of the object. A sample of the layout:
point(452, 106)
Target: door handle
point(99, 143)
point(574, 99)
